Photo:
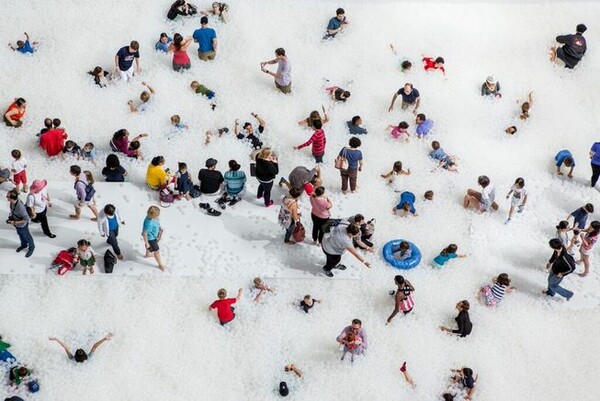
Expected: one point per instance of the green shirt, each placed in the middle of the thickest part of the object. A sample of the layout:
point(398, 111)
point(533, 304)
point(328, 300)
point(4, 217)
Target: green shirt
point(203, 90)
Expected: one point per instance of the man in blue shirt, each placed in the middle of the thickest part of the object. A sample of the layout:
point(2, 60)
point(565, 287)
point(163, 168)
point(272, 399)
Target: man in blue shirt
point(424, 125)
point(564, 157)
point(410, 97)
point(595, 156)
point(124, 60)
point(24, 47)
point(336, 24)
point(207, 40)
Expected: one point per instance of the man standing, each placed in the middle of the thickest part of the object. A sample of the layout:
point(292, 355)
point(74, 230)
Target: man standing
point(337, 243)
point(595, 159)
point(336, 24)
point(124, 61)
point(283, 77)
point(356, 328)
point(410, 97)
point(573, 49)
point(560, 264)
point(207, 40)
point(19, 219)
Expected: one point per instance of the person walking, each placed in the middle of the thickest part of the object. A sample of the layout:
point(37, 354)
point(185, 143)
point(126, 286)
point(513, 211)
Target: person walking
point(19, 219)
point(283, 77)
point(561, 264)
point(207, 41)
point(356, 329)
point(337, 243)
point(267, 169)
point(403, 297)
point(595, 162)
point(37, 203)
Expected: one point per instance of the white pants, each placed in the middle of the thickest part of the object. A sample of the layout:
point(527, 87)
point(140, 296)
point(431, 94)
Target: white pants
point(126, 75)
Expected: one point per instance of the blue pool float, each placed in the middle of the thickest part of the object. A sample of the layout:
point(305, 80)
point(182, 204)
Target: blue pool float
point(406, 264)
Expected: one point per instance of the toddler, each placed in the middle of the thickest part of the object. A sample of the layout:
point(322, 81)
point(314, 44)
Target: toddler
point(203, 90)
point(18, 169)
point(72, 149)
point(86, 256)
point(447, 253)
point(89, 152)
point(403, 252)
point(307, 303)
point(352, 345)
point(400, 132)
point(183, 182)
point(176, 122)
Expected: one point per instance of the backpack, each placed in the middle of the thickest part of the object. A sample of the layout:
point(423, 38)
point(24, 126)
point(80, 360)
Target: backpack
point(89, 191)
point(330, 224)
point(195, 191)
point(110, 260)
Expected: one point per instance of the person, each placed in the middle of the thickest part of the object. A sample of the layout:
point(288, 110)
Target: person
point(580, 215)
point(403, 300)
point(53, 141)
point(319, 213)
point(24, 47)
point(562, 232)
point(491, 87)
point(303, 178)
point(511, 130)
point(252, 134)
point(5, 182)
point(84, 190)
point(72, 149)
point(336, 244)
point(573, 47)
point(89, 153)
point(162, 45)
point(207, 41)
point(526, 106)
point(403, 251)
point(445, 255)
point(101, 76)
point(595, 163)
point(18, 375)
point(86, 256)
point(406, 204)
point(464, 322)
point(482, 201)
point(338, 94)
point(177, 124)
point(157, 176)
point(113, 171)
point(259, 289)
point(225, 312)
point(19, 219)
point(37, 204)
point(308, 303)
point(352, 345)
point(19, 170)
point(560, 265)
point(444, 160)
point(407, 377)
point(357, 330)
point(362, 241)
point(267, 169)
point(183, 182)
point(429, 64)
point(181, 7)
point(396, 170)
point(587, 244)
point(400, 131)
point(354, 159)
point(210, 178)
point(289, 215)
point(464, 378)
point(336, 24)
point(354, 126)
point(283, 76)
point(314, 116)
point(410, 97)
point(518, 199)
point(80, 355)
point(109, 221)
point(318, 141)
point(565, 157)
point(235, 180)
point(120, 143)
point(424, 125)
point(492, 294)
point(124, 61)
point(15, 113)
point(152, 233)
point(218, 9)
point(181, 60)
point(5, 355)
point(146, 98)
point(428, 195)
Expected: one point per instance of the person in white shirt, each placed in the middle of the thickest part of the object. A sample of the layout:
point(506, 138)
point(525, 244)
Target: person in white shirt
point(482, 201)
point(518, 199)
point(109, 221)
point(37, 205)
point(18, 170)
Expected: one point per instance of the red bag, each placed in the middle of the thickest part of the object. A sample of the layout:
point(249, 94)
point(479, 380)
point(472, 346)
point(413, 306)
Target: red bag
point(299, 232)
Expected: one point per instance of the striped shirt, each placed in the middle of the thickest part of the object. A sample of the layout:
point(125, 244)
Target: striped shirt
point(498, 291)
point(318, 141)
point(234, 181)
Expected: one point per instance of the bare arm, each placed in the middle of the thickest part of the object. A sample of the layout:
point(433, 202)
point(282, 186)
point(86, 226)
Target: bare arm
point(239, 295)
point(102, 341)
point(259, 119)
point(530, 99)
point(357, 255)
point(393, 101)
point(418, 104)
point(117, 62)
point(149, 87)
point(215, 43)
point(132, 107)
point(63, 345)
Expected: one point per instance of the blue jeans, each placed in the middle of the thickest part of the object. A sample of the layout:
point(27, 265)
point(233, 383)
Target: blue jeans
point(112, 240)
point(555, 288)
point(289, 231)
point(25, 237)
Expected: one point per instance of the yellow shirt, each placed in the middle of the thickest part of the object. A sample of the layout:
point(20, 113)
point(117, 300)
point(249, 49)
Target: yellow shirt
point(156, 176)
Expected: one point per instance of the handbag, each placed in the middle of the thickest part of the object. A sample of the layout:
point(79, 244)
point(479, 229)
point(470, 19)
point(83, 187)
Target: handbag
point(165, 197)
point(253, 169)
point(299, 232)
point(341, 161)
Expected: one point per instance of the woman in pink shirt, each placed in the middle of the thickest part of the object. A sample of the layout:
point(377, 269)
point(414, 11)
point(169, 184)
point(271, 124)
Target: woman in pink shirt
point(320, 205)
point(587, 244)
point(181, 60)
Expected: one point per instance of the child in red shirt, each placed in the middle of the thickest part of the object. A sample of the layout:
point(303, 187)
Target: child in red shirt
point(430, 64)
point(225, 312)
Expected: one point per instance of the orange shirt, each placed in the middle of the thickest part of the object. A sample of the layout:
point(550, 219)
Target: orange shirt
point(16, 116)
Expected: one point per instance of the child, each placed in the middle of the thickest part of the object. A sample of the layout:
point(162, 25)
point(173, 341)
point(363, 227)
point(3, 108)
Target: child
point(86, 256)
point(235, 180)
point(134, 150)
point(352, 345)
point(225, 312)
point(406, 375)
point(445, 255)
point(430, 64)
point(403, 252)
point(400, 132)
point(444, 160)
point(406, 204)
point(511, 130)
point(318, 141)
point(405, 65)
point(108, 225)
point(163, 43)
point(396, 170)
point(145, 97)
point(519, 197)
point(24, 47)
point(491, 87)
point(564, 157)
point(525, 106)
point(481, 201)
point(183, 182)
point(64, 261)
point(424, 125)
point(72, 149)
point(18, 169)
point(101, 77)
point(260, 287)
point(428, 195)
point(203, 90)
point(89, 152)
point(580, 215)
point(587, 244)
point(562, 233)
point(308, 302)
point(466, 380)
point(492, 294)
point(113, 171)
point(338, 93)
point(152, 233)
point(176, 122)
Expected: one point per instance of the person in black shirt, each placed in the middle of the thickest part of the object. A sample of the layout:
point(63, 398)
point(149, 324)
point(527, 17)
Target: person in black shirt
point(573, 49)
point(113, 171)
point(252, 136)
point(307, 303)
point(464, 323)
point(210, 179)
point(560, 264)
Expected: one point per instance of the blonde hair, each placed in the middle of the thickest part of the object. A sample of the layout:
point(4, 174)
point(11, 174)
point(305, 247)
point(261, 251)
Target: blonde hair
point(194, 83)
point(144, 96)
point(257, 281)
point(264, 153)
point(222, 293)
point(89, 177)
point(153, 212)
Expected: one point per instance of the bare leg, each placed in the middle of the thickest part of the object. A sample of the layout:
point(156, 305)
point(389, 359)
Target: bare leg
point(586, 264)
point(76, 215)
point(95, 211)
point(161, 266)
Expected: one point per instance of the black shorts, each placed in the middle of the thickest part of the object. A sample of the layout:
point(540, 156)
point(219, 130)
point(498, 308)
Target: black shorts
point(153, 245)
point(570, 62)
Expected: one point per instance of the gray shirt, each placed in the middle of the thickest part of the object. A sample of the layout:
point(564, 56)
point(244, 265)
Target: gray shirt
point(337, 241)
point(285, 69)
point(19, 212)
point(301, 175)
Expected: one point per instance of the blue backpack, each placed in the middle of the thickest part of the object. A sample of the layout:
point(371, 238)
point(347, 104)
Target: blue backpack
point(89, 191)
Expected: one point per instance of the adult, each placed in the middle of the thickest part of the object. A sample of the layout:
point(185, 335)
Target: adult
point(354, 161)
point(403, 300)
point(210, 178)
point(319, 213)
point(354, 126)
point(53, 141)
point(15, 113)
point(267, 169)
point(490, 87)
point(113, 171)
point(80, 355)
point(19, 219)
point(120, 143)
point(588, 240)
point(595, 162)
point(252, 134)
point(181, 7)
point(283, 76)
point(124, 61)
point(84, 191)
point(357, 330)
point(336, 244)
point(565, 157)
point(462, 320)
point(482, 201)
point(300, 176)
point(207, 40)
point(157, 176)
point(218, 9)
point(336, 24)
point(315, 116)
point(410, 97)
point(573, 49)
point(235, 180)
point(181, 60)
point(37, 204)
point(561, 264)
point(290, 214)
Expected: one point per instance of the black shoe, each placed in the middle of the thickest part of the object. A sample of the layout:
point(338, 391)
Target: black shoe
point(29, 252)
point(212, 212)
point(392, 293)
point(221, 202)
point(204, 205)
point(340, 267)
point(234, 201)
point(51, 236)
point(19, 249)
point(328, 273)
point(223, 130)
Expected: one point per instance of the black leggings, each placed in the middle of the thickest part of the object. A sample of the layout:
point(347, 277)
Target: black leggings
point(42, 218)
point(264, 190)
point(317, 231)
point(332, 261)
point(595, 174)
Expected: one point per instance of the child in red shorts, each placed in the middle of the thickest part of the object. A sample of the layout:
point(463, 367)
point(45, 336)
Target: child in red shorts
point(18, 169)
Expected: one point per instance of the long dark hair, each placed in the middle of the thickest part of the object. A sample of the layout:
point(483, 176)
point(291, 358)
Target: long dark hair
point(177, 40)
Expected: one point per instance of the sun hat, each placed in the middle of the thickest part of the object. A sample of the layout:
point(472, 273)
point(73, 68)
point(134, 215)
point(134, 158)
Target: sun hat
point(490, 79)
point(37, 186)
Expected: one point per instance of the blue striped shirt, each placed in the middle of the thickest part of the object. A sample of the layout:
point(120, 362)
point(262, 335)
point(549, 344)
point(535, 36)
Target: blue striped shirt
point(234, 181)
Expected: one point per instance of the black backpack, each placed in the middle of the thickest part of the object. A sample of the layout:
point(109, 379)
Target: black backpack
point(330, 224)
point(109, 261)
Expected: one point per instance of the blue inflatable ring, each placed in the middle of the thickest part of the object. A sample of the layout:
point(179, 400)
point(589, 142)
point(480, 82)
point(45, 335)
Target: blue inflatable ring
point(406, 264)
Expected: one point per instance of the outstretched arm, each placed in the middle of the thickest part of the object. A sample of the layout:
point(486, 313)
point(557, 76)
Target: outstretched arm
point(393, 101)
point(102, 341)
point(261, 122)
point(239, 295)
point(63, 345)
point(149, 87)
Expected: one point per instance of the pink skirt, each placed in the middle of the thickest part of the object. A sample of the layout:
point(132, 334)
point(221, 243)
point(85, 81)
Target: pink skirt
point(488, 297)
